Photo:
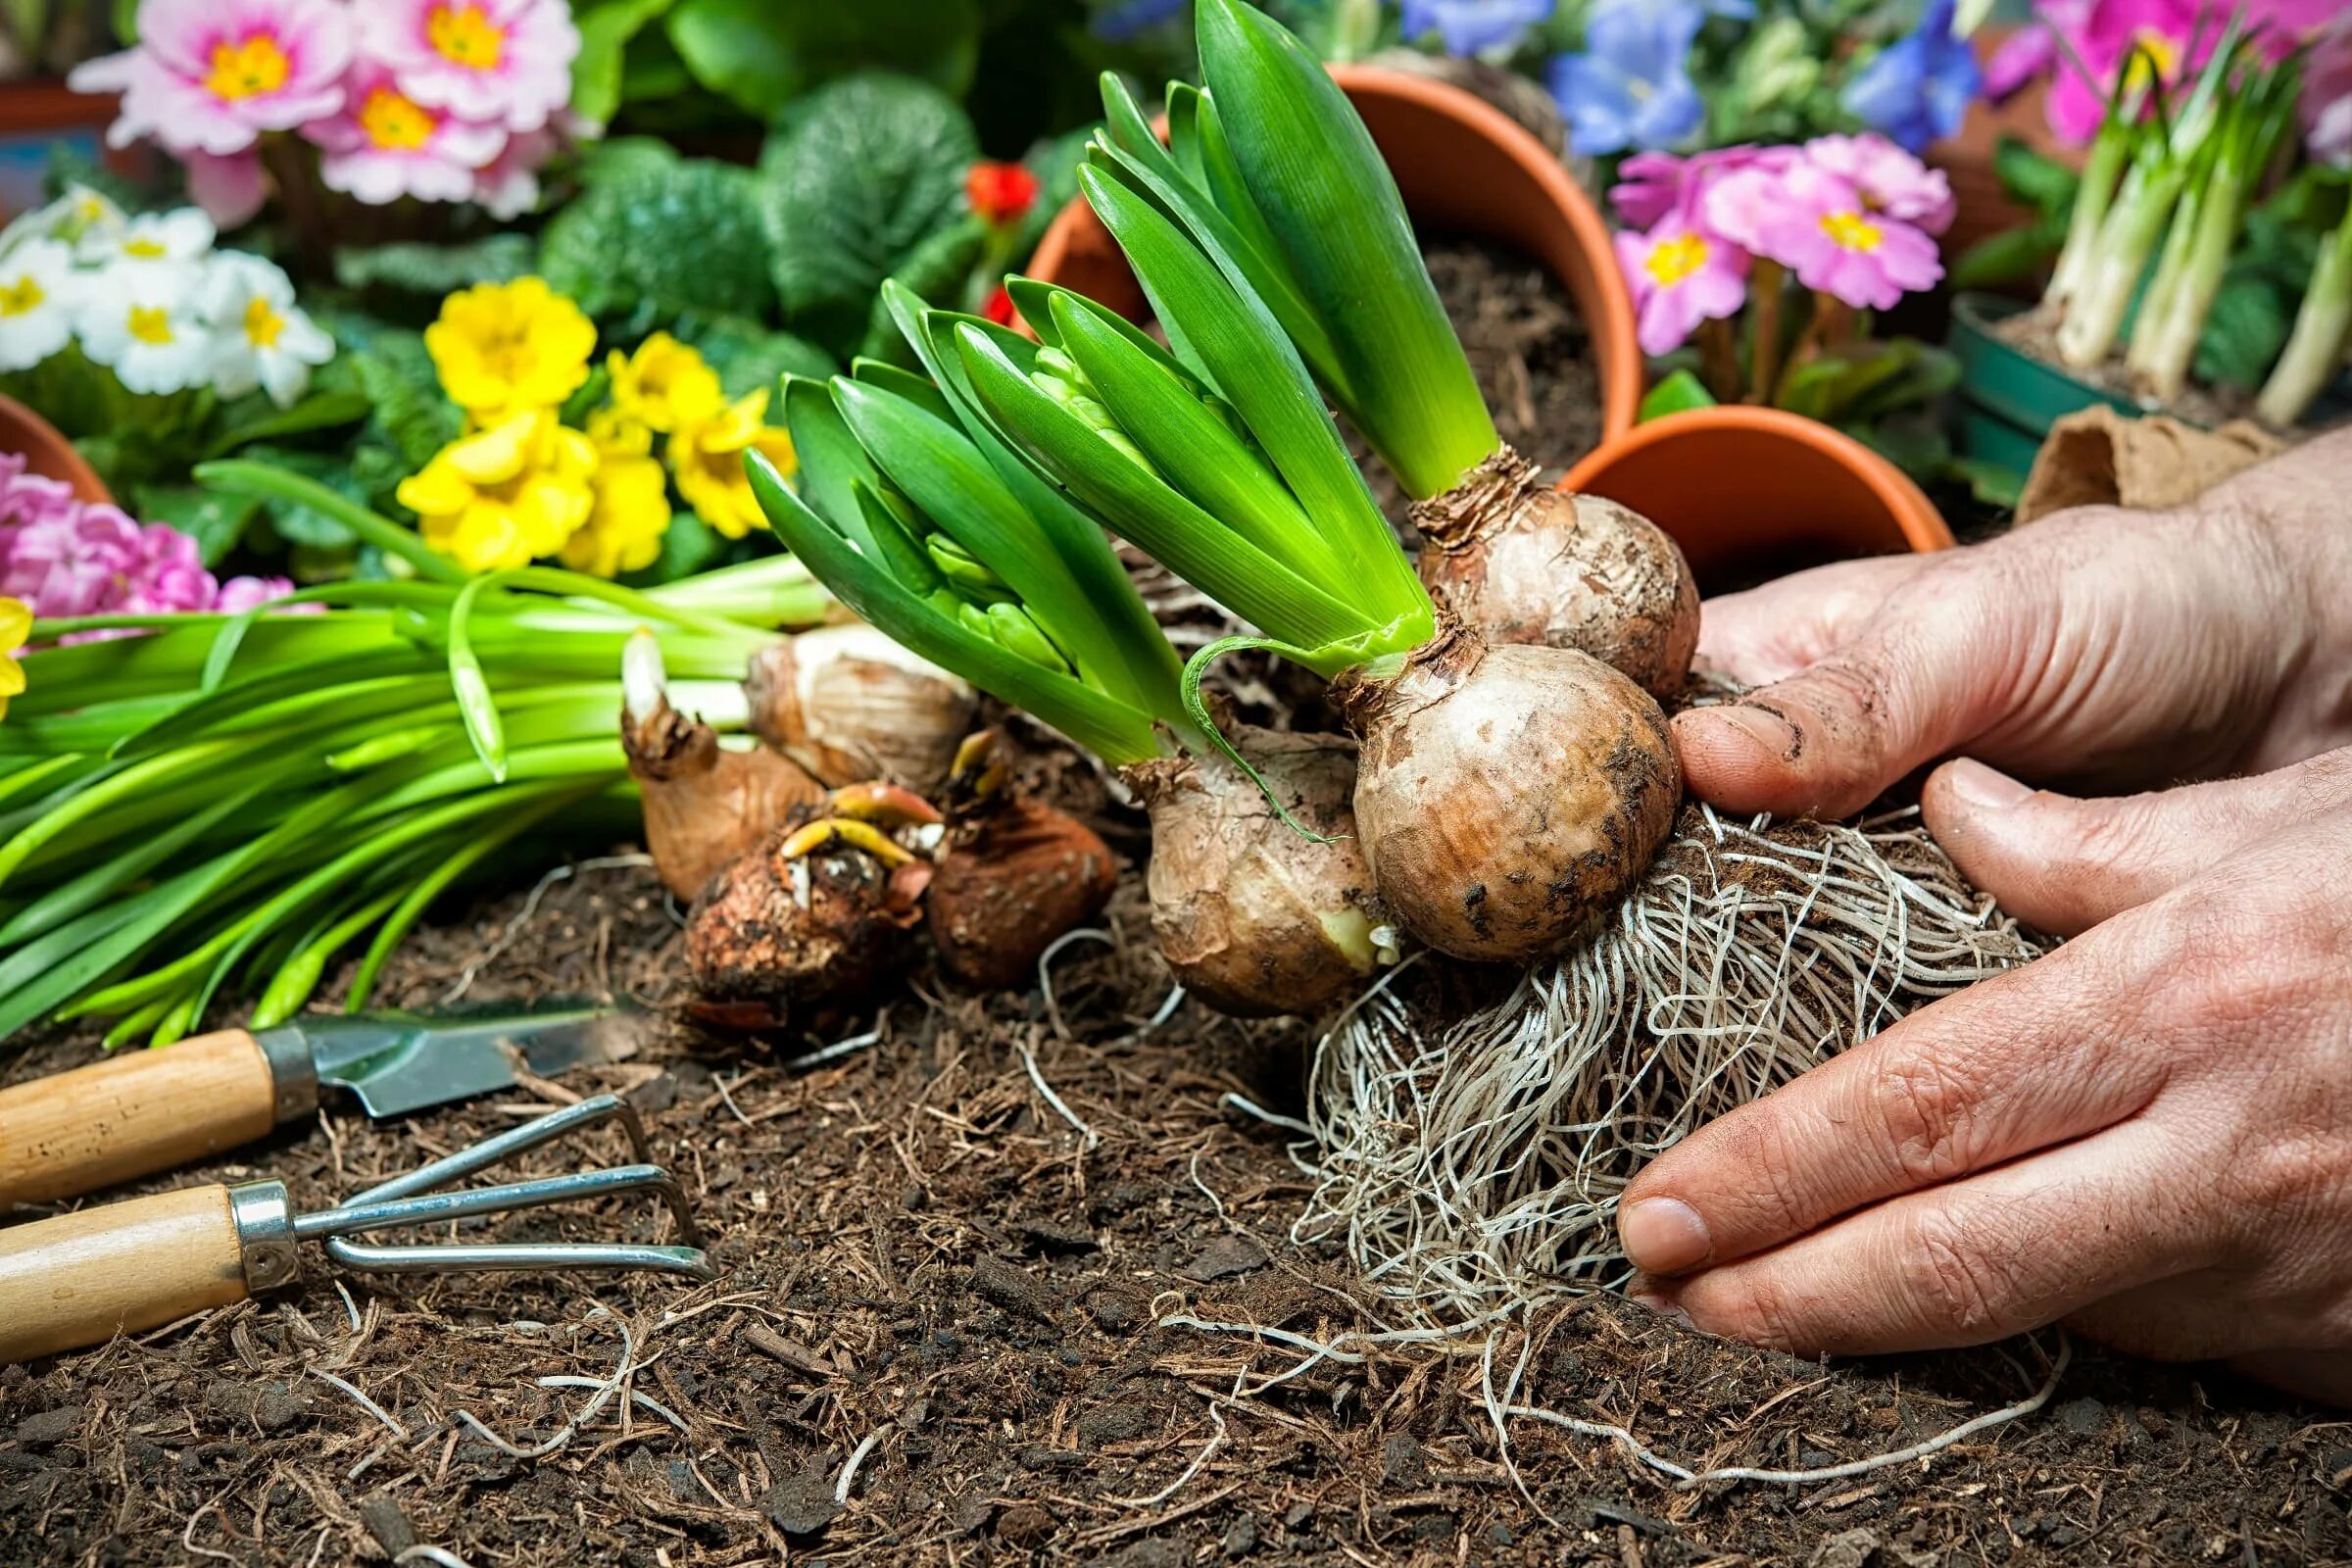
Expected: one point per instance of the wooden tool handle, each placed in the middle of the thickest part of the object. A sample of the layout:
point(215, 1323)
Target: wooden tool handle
point(131, 1115)
point(82, 1278)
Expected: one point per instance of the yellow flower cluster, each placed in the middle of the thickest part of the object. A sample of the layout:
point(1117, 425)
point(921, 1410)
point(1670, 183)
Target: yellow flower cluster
point(520, 487)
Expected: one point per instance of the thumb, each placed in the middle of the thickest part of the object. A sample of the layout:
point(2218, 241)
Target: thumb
point(2063, 864)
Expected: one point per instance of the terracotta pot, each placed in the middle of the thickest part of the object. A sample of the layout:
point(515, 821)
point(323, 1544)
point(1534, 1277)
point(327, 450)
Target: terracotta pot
point(1465, 167)
point(46, 450)
point(1754, 493)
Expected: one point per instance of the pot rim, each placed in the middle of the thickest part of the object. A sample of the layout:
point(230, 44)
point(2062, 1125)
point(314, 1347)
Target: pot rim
point(1922, 525)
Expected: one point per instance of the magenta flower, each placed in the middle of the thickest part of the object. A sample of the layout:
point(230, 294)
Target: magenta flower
point(1653, 185)
point(384, 144)
point(1818, 226)
point(240, 594)
point(2327, 95)
point(1680, 277)
point(211, 75)
point(498, 62)
point(79, 563)
point(1891, 179)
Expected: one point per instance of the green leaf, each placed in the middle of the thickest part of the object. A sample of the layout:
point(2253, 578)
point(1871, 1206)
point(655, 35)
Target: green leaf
point(750, 358)
point(2244, 333)
point(1678, 392)
point(396, 374)
point(832, 463)
point(1325, 192)
point(1112, 730)
point(2032, 181)
point(434, 269)
point(242, 478)
point(1258, 587)
point(667, 240)
point(606, 29)
point(1255, 369)
point(762, 55)
point(321, 411)
point(906, 385)
point(934, 271)
point(216, 522)
point(856, 179)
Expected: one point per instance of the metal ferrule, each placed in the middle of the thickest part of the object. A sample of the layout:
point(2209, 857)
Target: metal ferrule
point(265, 1236)
point(293, 1073)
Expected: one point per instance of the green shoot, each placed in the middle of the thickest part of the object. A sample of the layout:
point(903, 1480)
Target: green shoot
point(2315, 349)
point(1273, 177)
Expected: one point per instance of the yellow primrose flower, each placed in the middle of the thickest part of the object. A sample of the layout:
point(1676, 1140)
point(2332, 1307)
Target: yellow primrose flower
point(16, 625)
point(504, 349)
point(623, 533)
point(506, 496)
point(665, 384)
point(707, 456)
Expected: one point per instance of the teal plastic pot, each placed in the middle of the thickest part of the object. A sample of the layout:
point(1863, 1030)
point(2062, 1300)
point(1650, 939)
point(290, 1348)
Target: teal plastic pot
point(2009, 399)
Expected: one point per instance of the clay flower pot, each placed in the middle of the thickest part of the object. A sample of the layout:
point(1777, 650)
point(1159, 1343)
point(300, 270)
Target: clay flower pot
point(1465, 167)
point(47, 453)
point(1752, 493)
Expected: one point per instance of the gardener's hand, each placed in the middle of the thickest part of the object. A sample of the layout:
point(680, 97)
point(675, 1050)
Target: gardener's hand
point(2147, 1133)
point(2106, 646)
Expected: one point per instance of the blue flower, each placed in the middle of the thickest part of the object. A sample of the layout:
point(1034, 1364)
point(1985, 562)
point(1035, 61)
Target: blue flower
point(1125, 19)
point(1630, 89)
point(1918, 90)
point(1470, 27)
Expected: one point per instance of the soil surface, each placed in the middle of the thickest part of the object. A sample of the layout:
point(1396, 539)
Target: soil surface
point(925, 1262)
point(2035, 332)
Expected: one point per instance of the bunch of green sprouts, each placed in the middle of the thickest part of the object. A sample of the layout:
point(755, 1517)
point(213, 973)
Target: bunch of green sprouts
point(2163, 202)
point(224, 802)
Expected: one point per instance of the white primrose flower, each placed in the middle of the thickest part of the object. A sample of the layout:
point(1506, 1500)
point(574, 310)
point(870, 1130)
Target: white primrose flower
point(143, 323)
point(260, 337)
point(179, 237)
point(78, 214)
point(38, 293)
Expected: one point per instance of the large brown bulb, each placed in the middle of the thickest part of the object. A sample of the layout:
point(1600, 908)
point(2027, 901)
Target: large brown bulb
point(1520, 562)
point(853, 707)
point(705, 805)
point(1507, 796)
point(1254, 918)
point(1015, 878)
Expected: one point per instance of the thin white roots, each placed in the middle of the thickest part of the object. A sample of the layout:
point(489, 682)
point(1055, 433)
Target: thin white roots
point(1478, 1167)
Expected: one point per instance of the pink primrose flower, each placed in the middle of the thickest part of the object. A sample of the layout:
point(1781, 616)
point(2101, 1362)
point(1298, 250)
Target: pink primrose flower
point(1680, 275)
point(498, 62)
point(385, 144)
point(1891, 179)
point(211, 75)
point(1819, 225)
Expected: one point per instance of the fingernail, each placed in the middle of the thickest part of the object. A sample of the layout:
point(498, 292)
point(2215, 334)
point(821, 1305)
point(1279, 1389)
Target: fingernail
point(1984, 787)
point(1663, 1236)
point(1768, 729)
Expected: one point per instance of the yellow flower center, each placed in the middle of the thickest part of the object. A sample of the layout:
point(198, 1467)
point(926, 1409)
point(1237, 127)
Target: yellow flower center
point(463, 35)
point(1673, 260)
point(396, 123)
point(151, 323)
point(2153, 55)
point(22, 295)
point(249, 69)
point(146, 250)
point(1852, 232)
point(263, 323)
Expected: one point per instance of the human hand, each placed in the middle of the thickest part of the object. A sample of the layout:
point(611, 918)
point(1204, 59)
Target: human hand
point(2122, 649)
point(2147, 1133)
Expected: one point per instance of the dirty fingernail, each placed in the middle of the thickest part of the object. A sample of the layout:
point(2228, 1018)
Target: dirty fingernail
point(1769, 730)
point(1983, 786)
point(1663, 1236)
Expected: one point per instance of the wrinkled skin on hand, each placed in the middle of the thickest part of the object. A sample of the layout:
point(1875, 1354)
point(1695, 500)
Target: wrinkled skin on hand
point(2147, 1134)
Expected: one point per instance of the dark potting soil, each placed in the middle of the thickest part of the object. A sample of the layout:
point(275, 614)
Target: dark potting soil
point(923, 1260)
point(918, 1249)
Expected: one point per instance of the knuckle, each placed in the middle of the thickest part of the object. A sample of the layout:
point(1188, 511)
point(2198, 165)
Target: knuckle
point(1760, 1311)
point(1923, 1111)
point(1952, 1280)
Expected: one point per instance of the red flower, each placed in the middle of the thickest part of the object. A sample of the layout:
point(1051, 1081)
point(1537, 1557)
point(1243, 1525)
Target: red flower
point(1001, 193)
point(999, 308)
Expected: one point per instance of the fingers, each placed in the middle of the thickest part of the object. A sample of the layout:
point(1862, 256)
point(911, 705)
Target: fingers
point(1770, 633)
point(2064, 864)
point(2005, 1252)
point(2012, 1065)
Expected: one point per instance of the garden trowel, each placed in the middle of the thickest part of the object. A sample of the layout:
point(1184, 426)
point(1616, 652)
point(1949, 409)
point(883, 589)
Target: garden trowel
point(149, 1110)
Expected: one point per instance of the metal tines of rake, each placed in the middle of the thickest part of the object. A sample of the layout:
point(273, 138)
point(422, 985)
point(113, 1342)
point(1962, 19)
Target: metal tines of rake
point(417, 1200)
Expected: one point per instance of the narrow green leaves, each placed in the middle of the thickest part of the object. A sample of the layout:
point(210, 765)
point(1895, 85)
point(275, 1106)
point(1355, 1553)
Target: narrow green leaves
point(1312, 170)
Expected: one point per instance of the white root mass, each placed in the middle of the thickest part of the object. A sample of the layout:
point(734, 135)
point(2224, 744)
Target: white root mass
point(1475, 1166)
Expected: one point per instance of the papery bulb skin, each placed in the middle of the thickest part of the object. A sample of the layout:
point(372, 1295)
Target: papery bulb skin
point(1520, 562)
point(705, 805)
point(1254, 918)
point(1015, 876)
point(772, 935)
point(853, 707)
point(1506, 796)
